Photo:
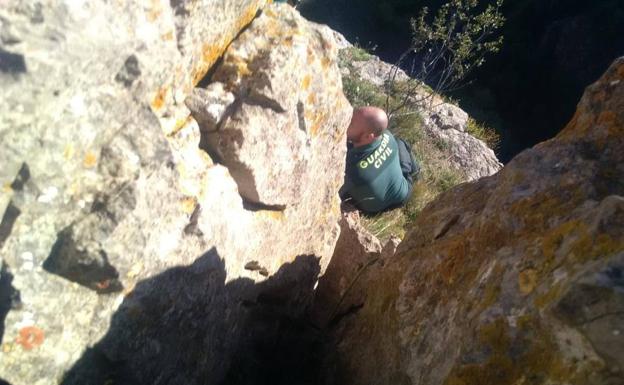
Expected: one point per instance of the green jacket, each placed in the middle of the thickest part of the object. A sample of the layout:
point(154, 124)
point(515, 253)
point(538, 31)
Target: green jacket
point(373, 175)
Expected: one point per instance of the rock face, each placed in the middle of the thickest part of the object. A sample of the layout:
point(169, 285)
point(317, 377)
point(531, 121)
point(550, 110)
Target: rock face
point(264, 109)
point(444, 122)
point(513, 279)
point(119, 234)
point(357, 253)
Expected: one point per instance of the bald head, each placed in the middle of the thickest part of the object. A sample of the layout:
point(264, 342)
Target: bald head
point(367, 124)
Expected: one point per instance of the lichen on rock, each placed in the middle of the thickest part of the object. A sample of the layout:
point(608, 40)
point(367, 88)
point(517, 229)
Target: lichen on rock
point(119, 230)
point(515, 278)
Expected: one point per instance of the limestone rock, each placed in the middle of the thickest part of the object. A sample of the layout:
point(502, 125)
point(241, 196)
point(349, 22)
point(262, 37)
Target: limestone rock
point(515, 278)
point(119, 234)
point(471, 156)
point(284, 95)
point(357, 252)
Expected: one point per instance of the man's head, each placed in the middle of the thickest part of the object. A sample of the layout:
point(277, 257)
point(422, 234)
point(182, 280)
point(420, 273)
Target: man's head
point(366, 125)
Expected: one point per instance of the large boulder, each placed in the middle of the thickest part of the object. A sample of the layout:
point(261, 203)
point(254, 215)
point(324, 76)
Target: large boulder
point(514, 279)
point(122, 241)
point(269, 99)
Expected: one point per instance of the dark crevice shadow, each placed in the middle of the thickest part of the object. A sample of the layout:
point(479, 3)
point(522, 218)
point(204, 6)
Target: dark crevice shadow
point(189, 326)
point(256, 206)
point(8, 220)
point(22, 177)
point(90, 268)
point(12, 63)
point(9, 297)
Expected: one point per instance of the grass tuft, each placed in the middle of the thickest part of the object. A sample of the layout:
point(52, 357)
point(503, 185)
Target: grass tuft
point(485, 133)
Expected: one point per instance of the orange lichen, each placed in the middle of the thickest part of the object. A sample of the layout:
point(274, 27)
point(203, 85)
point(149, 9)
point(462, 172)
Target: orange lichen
point(167, 36)
point(188, 205)
point(607, 117)
point(90, 160)
point(305, 83)
point(159, 100)
point(30, 337)
point(325, 62)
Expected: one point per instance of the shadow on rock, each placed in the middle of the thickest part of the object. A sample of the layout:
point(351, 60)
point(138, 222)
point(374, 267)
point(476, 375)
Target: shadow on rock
point(9, 297)
point(188, 326)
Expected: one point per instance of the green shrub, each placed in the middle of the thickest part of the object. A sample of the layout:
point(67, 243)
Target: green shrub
point(361, 93)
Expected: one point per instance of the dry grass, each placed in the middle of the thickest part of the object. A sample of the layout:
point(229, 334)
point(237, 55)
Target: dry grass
point(483, 132)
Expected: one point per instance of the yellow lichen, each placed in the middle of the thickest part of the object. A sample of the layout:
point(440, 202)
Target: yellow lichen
point(527, 281)
point(167, 36)
point(305, 83)
point(181, 124)
point(273, 215)
point(539, 358)
point(212, 52)
point(90, 160)
point(188, 205)
point(69, 151)
point(154, 12)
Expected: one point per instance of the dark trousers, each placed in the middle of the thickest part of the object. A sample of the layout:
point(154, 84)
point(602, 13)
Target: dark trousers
point(409, 166)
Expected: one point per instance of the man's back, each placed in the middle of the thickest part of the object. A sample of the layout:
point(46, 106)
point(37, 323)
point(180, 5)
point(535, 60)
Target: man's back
point(374, 179)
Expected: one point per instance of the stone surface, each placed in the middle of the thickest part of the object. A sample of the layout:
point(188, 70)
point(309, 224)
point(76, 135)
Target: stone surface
point(471, 156)
point(268, 136)
point(119, 234)
point(443, 122)
point(512, 279)
point(357, 252)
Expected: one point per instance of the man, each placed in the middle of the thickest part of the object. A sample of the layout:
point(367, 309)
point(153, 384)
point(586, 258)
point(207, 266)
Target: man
point(379, 170)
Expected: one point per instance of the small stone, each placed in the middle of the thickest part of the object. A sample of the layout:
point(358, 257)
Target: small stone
point(48, 195)
point(27, 256)
point(77, 105)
